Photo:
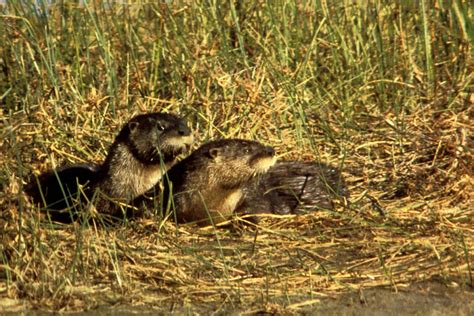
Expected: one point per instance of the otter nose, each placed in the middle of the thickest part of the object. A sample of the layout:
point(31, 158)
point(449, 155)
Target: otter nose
point(269, 150)
point(183, 129)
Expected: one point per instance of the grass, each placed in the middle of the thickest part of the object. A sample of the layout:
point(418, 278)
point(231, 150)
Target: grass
point(382, 89)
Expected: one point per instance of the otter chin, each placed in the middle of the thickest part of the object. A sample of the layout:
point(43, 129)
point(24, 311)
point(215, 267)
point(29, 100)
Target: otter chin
point(180, 141)
point(263, 164)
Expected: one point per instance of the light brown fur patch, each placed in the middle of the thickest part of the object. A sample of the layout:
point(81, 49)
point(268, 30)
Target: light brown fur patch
point(181, 141)
point(131, 178)
point(263, 164)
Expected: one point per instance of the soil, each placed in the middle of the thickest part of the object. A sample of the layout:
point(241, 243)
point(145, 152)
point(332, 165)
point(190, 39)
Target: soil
point(425, 298)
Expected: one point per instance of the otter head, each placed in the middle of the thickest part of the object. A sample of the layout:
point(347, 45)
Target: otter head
point(156, 137)
point(236, 161)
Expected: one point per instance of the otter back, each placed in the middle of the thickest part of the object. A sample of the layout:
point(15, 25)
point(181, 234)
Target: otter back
point(59, 189)
point(294, 187)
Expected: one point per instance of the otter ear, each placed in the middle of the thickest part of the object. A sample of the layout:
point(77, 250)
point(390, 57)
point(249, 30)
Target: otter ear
point(213, 153)
point(132, 126)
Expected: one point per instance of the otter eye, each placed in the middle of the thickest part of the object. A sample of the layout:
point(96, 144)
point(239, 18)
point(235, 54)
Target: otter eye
point(133, 125)
point(160, 127)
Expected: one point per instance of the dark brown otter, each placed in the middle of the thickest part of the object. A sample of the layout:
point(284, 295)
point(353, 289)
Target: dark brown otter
point(294, 187)
point(206, 187)
point(59, 189)
point(142, 151)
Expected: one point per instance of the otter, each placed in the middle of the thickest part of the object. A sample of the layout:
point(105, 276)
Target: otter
point(206, 187)
point(59, 189)
point(294, 187)
point(144, 149)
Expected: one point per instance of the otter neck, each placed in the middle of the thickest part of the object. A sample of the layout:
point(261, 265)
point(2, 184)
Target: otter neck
point(127, 177)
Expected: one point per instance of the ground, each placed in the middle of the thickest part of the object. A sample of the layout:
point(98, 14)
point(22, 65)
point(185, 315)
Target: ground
point(383, 90)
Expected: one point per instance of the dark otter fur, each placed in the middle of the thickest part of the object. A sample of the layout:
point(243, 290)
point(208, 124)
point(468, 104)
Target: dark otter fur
point(144, 148)
point(294, 187)
point(58, 189)
point(206, 186)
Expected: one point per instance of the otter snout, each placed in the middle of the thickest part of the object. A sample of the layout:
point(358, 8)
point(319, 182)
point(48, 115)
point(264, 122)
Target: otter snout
point(269, 150)
point(183, 129)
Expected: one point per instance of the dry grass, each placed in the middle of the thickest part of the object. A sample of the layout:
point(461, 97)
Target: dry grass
point(412, 220)
point(403, 135)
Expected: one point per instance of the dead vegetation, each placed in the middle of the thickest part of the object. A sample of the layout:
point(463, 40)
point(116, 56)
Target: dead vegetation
point(409, 170)
point(411, 219)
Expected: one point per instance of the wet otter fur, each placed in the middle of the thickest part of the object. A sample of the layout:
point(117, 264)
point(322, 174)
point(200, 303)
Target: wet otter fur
point(144, 149)
point(206, 187)
point(294, 187)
